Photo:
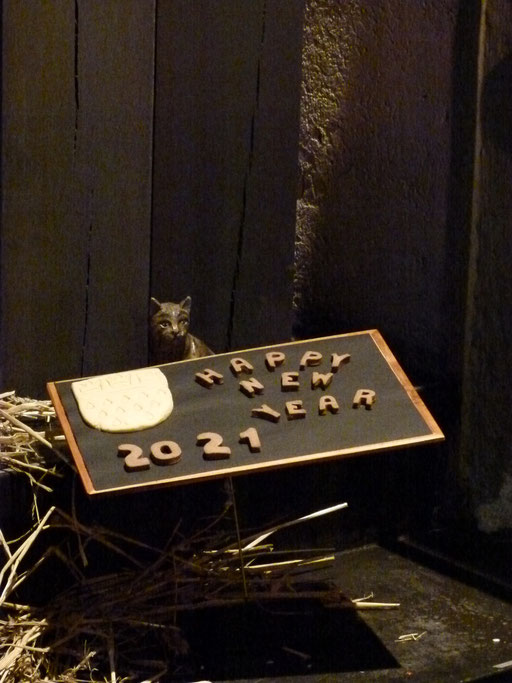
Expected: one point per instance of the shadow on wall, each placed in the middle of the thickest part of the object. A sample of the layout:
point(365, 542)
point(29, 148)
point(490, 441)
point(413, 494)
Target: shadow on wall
point(487, 430)
point(386, 154)
point(386, 178)
point(497, 105)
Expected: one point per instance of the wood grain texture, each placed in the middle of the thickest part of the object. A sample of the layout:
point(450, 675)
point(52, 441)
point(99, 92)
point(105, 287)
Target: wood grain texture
point(205, 78)
point(114, 152)
point(42, 258)
point(262, 285)
point(225, 151)
point(79, 105)
point(76, 156)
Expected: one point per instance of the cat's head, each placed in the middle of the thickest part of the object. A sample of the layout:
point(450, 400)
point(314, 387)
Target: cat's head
point(169, 321)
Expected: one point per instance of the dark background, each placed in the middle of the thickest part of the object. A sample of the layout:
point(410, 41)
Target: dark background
point(298, 168)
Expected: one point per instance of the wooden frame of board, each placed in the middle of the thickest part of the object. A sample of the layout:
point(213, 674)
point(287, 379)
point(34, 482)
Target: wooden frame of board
point(338, 396)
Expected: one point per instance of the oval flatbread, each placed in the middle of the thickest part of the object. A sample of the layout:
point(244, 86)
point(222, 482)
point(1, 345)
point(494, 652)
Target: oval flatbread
point(124, 401)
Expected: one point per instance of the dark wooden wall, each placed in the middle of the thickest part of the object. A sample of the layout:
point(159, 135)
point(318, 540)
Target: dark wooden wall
point(149, 149)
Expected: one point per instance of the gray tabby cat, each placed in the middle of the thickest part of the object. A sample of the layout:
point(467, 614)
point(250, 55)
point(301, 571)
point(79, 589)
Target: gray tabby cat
point(169, 338)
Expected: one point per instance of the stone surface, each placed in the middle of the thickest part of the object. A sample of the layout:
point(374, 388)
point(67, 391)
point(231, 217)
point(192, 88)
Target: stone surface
point(486, 465)
point(398, 229)
point(372, 232)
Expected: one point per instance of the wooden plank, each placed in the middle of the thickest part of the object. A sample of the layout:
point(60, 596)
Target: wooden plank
point(211, 61)
point(262, 287)
point(77, 109)
point(206, 432)
point(205, 73)
point(42, 256)
point(114, 155)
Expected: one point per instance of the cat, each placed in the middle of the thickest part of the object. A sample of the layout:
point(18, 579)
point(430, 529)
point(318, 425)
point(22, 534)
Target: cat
point(169, 338)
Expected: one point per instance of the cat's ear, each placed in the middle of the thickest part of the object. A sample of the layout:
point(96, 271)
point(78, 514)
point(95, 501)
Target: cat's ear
point(186, 304)
point(154, 306)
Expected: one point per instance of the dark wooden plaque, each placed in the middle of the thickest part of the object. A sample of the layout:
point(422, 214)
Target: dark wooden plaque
point(337, 396)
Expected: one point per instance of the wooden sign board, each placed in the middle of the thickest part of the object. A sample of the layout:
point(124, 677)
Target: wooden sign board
point(257, 409)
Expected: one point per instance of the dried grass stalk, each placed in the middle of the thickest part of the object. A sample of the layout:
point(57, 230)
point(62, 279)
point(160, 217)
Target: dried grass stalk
point(102, 626)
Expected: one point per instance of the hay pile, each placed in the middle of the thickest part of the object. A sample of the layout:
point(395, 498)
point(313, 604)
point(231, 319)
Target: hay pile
point(123, 625)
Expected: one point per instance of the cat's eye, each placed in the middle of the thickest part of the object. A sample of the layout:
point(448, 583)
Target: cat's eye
point(164, 324)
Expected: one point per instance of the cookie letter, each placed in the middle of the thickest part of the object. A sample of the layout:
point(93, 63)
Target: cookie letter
point(251, 386)
point(165, 452)
point(337, 361)
point(239, 365)
point(294, 410)
point(213, 448)
point(319, 380)
point(265, 412)
point(134, 461)
point(251, 438)
point(273, 359)
point(364, 397)
point(328, 404)
point(208, 378)
point(310, 358)
point(290, 381)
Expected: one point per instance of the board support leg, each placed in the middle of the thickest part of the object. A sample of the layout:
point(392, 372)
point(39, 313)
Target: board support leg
point(232, 495)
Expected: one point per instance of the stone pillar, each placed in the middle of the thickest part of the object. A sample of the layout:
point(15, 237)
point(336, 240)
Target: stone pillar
point(486, 447)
